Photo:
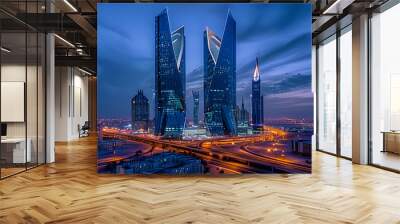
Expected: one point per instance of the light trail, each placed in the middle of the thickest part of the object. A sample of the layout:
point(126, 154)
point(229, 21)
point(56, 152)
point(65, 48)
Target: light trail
point(227, 152)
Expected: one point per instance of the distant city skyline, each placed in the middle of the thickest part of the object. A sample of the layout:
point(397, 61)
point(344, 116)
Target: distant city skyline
point(126, 55)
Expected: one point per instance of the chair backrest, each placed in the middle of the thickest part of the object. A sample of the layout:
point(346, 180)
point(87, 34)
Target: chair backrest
point(86, 125)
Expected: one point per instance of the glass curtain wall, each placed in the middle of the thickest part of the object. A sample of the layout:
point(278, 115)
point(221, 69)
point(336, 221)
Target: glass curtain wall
point(22, 91)
point(13, 89)
point(345, 59)
point(385, 89)
point(326, 60)
point(334, 62)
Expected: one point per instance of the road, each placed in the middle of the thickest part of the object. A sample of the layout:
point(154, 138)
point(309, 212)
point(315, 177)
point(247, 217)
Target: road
point(232, 154)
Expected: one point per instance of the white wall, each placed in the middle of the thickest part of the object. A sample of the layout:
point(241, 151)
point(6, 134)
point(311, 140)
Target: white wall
point(80, 110)
point(14, 73)
point(33, 126)
point(62, 82)
point(71, 102)
point(17, 73)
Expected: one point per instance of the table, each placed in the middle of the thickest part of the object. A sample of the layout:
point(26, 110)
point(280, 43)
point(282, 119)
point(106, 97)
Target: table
point(391, 141)
point(13, 150)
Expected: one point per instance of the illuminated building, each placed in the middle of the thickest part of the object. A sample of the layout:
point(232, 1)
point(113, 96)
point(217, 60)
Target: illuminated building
point(140, 112)
point(243, 120)
point(196, 102)
point(169, 78)
point(220, 80)
point(257, 100)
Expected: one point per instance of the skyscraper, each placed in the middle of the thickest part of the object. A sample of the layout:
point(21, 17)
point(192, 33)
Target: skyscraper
point(244, 114)
point(237, 114)
point(220, 80)
point(243, 120)
point(257, 100)
point(262, 109)
point(196, 102)
point(169, 78)
point(140, 112)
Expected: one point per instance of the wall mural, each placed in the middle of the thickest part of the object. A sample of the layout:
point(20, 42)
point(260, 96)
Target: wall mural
point(188, 89)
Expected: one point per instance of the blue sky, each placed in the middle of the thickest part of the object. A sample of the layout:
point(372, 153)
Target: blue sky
point(279, 34)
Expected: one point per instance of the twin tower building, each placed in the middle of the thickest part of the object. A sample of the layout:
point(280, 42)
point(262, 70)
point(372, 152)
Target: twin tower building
point(219, 81)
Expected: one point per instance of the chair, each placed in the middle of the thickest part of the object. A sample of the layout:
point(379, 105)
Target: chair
point(84, 130)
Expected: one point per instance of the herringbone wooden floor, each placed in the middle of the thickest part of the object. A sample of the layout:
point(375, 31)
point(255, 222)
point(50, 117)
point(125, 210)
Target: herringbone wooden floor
point(70, 191)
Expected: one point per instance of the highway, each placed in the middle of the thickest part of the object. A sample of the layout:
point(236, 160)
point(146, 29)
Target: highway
point(231, 154)
point(117, 151)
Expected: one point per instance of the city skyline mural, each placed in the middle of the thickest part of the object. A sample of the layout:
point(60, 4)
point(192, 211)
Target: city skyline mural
point(204, 88)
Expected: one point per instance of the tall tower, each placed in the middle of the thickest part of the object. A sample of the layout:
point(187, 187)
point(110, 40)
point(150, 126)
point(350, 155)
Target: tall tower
point(140, 109)
point(196, 103)
point(220, 80)
point(170, 83)
point(262, 109)
point(257, 100)
point(243, 119)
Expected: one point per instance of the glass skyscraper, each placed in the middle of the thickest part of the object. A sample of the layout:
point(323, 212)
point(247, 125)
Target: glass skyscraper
point(257, 100)
point(169, 79)
point(220, 80)
point(243, 120)
point(196, 102)
point(140, 112)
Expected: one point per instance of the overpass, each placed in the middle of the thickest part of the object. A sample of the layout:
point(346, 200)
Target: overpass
point(243, 160)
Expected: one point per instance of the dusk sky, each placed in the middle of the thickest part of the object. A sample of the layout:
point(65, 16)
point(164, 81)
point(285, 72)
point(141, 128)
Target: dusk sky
point(279, 34)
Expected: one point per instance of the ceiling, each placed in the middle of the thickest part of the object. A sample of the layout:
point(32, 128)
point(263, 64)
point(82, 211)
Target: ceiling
point(75, 22)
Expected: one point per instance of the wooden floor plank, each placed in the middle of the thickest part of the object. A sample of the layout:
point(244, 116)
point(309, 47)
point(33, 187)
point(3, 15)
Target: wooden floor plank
point(70, 191)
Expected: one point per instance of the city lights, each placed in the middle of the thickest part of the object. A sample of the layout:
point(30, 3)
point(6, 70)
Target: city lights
point(208, 107)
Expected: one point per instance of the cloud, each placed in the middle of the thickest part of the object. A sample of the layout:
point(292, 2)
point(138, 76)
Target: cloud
point(275, 33)
point(294, 107)
point(273, 21)
point(289, 83)
point(278, 84)
point(282, 53)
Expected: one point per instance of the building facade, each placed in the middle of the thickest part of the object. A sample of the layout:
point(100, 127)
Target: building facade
point(220, 80)
point(169, 79)
point(243, 120)
point(140, 109)
point(257, 104)
point(196, 103)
